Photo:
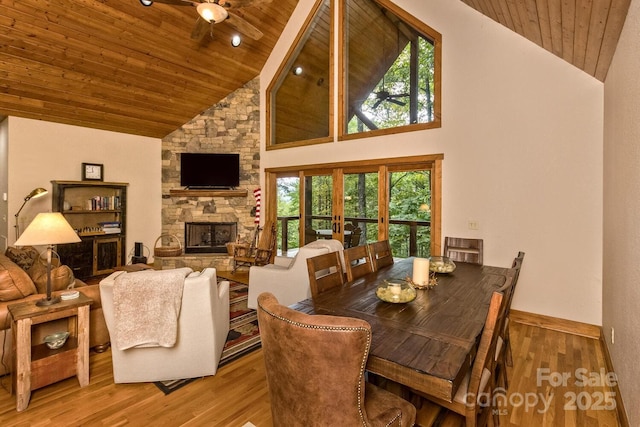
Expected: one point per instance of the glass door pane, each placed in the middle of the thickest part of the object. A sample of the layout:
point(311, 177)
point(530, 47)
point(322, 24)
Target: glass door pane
point(318, 193)
point(288, 211)
point(410, 213)
point(360, 208)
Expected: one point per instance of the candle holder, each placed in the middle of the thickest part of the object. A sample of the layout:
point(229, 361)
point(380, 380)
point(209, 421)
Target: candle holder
point(396, 291)
point(430, 284)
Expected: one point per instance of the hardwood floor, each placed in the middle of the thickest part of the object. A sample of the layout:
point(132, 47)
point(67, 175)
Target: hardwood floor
point(237, 394)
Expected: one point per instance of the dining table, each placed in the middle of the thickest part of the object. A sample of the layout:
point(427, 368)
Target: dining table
point(427, 344)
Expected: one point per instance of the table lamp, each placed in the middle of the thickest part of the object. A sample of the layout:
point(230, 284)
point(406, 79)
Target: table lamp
point(48, 228)
point(34, 194)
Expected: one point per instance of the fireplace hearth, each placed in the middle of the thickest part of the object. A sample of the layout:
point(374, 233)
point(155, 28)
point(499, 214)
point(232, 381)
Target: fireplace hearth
point(208, 237)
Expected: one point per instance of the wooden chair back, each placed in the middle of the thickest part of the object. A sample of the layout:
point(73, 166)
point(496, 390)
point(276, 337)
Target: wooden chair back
point(357, 262)
point(266, 244)
point(464, 249)
point(353, 237)
point(380, 253)
point(325, 272)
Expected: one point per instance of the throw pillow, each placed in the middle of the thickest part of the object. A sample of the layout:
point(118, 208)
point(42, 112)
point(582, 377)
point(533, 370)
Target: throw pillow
point(15, 283)
point(24, 256)
point(61, 276)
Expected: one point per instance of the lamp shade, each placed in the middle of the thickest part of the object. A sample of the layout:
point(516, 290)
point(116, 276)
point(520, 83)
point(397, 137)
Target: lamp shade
point(48, 228)
point(212, 12)
point(35, 193)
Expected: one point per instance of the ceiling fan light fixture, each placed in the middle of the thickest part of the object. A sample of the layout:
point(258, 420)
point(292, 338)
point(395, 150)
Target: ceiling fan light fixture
point(212, 12)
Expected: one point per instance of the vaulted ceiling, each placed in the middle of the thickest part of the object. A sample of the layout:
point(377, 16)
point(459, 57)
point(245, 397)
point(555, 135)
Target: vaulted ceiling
point(116, 65)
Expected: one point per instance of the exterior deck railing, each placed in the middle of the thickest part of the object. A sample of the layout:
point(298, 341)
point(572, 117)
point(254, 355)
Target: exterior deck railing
point(411, 246)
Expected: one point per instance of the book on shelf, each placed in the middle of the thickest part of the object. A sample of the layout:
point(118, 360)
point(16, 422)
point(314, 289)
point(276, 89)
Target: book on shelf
point(99, 203)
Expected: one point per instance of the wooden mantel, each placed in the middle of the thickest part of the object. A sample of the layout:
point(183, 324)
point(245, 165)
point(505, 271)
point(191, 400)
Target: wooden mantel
point(207, 193)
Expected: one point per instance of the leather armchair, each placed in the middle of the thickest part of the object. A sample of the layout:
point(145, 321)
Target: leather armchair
point(203, 326)
point(315, 369)
point(287, 278)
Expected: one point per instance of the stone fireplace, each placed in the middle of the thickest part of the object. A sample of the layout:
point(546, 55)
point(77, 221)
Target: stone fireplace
point(230, 126)
point(208, 237)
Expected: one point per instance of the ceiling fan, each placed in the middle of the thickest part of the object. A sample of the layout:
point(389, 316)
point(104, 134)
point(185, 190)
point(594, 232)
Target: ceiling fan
point(214, 12)
point(384, 95)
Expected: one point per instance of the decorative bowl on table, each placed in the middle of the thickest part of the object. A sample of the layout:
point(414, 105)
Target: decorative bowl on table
point(441, 264)
point(57, 340)
point(396, 291)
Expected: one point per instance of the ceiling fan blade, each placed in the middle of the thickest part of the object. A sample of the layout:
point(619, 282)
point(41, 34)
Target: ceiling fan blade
point(395, 101)
point(399, 95)
point(237, 4)
point(377, 103)
point(178, 2)
point(244, 27)
point(200, 30)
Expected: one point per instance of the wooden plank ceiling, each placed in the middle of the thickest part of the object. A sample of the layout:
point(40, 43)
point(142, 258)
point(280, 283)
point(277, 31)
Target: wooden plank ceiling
point(116, 65)
point(584, 33)
point(120, 66)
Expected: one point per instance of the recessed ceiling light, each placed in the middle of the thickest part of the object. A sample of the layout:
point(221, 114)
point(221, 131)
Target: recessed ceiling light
point(146, 2)
point(297, 70)
point(236, 40)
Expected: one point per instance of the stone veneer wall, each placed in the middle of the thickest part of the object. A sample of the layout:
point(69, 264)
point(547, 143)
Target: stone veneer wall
point(230, 126)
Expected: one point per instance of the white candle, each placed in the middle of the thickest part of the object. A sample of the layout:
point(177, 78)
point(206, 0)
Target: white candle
point(395, 289)
point(420, 271)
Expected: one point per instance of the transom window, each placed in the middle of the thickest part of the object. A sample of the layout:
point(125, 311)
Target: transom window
point(389, 80)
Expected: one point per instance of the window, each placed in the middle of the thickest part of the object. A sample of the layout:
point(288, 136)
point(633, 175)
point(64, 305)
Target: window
point(299, 99)
point(390, 78)
point(391, 63)
point(395, 199)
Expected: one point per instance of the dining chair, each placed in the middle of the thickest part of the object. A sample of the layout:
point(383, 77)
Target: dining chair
point(315, 368)
point(480, 379)
point(464, 249)
point(504, 355)
point(325, 272)
point(381, 254)
point(357, 262)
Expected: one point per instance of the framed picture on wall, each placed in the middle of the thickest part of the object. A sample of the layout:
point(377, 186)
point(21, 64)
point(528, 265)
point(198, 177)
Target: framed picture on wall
point(92, 172)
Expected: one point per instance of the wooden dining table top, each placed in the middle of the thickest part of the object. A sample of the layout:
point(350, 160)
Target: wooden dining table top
point(427, 344)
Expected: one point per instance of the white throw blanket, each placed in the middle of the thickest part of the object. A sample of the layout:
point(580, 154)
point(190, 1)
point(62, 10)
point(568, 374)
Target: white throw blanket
point(146, 308)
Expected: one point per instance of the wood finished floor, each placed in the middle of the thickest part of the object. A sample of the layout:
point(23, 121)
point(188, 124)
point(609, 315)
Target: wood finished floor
point(237, 393)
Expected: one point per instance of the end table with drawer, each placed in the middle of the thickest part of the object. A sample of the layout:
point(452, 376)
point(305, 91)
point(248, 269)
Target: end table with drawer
point(34, 364)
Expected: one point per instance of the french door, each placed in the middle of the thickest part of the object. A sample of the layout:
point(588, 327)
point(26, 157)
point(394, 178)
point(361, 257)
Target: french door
point(358, 203)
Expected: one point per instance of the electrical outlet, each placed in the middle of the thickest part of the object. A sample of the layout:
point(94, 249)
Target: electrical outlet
point(473, 224)
point(613, 335)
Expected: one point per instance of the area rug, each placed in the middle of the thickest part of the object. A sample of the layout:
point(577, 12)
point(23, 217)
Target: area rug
point(243, 337)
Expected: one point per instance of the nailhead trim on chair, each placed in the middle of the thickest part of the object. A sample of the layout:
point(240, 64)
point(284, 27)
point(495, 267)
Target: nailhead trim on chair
point(337, 328)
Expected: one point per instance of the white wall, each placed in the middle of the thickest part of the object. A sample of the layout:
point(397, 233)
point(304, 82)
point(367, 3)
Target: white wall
point(40, 152)
point(522, 141)
point(621, 293)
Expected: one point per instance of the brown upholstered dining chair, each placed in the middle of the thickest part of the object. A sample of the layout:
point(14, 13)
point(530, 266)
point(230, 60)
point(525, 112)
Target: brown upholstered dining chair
point(325, 272)
point(381, 254)
point(316, 371)
point(357, 262)
point(464, 249)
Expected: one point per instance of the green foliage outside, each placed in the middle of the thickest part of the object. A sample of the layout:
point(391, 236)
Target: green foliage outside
point(397, 81)
point(410, 200)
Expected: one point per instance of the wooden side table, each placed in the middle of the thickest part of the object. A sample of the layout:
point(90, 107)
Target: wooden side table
point(35, 365)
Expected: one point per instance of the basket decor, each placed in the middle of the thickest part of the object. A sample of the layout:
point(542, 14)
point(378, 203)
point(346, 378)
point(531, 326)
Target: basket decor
point(167, 250)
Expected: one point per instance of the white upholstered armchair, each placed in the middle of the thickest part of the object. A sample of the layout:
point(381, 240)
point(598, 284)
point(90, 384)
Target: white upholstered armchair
point(202, 328)
point(288, 278)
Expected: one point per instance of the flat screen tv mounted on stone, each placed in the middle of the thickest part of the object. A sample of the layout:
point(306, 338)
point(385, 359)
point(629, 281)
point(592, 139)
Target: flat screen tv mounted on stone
point(209, 170)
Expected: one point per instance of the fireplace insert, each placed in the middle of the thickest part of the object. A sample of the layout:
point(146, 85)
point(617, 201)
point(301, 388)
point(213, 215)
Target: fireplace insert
point(208, 237)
